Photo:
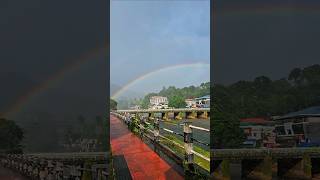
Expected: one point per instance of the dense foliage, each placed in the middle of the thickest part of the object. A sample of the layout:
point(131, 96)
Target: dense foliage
point(11, 136)
point(177, 96)
point(264, 98)
point(88, 129)
point(113, 104)
point(177, 102)
point(261, 97)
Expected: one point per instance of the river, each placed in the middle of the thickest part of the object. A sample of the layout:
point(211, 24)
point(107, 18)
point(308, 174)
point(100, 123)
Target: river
point(202, 136)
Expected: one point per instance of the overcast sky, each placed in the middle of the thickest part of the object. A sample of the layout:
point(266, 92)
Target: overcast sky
point(149, 35)
point(38, 40)
point(260, 37)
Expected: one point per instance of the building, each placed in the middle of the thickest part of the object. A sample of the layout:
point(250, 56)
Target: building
point(259, 132)
point(203, 102)
point(191, 103)
point(135, 107)
point(157, 100)
point(301, 128)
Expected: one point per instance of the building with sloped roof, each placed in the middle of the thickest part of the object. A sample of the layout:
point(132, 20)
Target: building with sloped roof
point(259, 132)
point(301, 126)
point(203, 102)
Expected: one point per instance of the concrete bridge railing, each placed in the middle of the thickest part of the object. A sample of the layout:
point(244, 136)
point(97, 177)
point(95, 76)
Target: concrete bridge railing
point(219, 154)
point(283, 163)
point(187, 135)
point(58, 165)
point(189, 113)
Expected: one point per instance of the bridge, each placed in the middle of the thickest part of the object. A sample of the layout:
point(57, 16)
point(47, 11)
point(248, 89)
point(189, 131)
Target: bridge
point(187, 113)
point(93, 165)
point(149, 133)
point(139, 161)
point(282, 163)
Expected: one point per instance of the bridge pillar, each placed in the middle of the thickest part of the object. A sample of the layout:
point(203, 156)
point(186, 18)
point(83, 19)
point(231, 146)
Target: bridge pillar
point(177, 115)
point(202, 115)
point(315, 167)
point(221, 170)
point(191, 115)
point(257, 168)
point(289, 168)
point(164, 115)
point(150, 115)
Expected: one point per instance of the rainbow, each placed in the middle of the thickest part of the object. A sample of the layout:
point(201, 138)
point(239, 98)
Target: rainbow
point(270, 8)
point(52, 81)
point(146, 75)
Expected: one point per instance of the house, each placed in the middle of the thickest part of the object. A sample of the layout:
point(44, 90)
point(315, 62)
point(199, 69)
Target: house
point(300, 128)
point(135, 107)
point(203, 102)
point(191, 103)
point(259, 132)
point(158, 102)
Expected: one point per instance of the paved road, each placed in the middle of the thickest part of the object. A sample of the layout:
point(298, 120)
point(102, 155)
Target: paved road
point(7, 174)
point(142, 161)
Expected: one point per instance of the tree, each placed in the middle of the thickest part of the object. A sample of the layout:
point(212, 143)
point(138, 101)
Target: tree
point(11, 136)
point(177, 102)
point(311, 74)
point(113, 104)
point(146, 100)
point(171, 92)
point(295, 75)
point(225, 124)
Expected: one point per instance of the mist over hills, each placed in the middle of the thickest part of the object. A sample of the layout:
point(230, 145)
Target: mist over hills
point(129, 94)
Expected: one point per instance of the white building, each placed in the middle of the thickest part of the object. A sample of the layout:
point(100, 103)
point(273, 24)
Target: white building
point(158, 100)
point(190, 103)
point(203, 102)
point(135, 107)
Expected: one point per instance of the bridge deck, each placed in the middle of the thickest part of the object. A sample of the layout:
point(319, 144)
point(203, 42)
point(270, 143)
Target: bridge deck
point(8, 174)
point(142, 161)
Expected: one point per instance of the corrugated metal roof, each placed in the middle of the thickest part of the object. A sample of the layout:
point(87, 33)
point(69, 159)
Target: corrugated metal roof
point(311, 111)
point(204, 97)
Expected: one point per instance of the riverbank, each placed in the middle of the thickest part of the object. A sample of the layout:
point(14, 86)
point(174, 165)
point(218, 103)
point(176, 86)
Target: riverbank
point(180, 151)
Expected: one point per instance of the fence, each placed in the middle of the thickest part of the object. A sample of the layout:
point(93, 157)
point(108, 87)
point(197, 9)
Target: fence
point(36, 168)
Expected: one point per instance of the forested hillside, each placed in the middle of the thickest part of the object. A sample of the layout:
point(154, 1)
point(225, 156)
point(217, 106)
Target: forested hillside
point(177, 96)
point(261, 97)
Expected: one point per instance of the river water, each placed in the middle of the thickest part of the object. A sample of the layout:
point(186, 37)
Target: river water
point(202, 136)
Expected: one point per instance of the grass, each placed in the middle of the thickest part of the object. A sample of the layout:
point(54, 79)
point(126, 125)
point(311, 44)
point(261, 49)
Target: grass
point(171, 122)
point(180, 151)
point(198, 160)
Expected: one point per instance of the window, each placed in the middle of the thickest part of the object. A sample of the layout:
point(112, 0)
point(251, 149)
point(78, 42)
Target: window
point(280, 130)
